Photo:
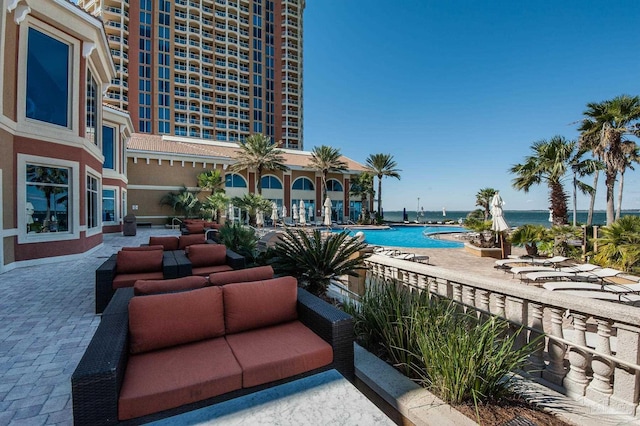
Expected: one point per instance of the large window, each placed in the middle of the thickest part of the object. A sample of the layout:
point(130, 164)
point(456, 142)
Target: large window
point(108, 205)
point(270, 182)
point(92, 202)
point(47, 205)
point(48, 71)
point(234, 181)
point(303, 183)
point(108, 147)
point(92, 109)
point(334, 185)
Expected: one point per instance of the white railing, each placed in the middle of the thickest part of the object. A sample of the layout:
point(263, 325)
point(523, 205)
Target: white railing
point(591, 349)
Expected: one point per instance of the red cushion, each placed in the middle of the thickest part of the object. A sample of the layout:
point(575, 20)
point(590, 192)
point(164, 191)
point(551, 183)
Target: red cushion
point(241, 275)
point(169, 378)
point(143, 248)
point(168, 243)
point(144, 287)
point(132, 262)
point(205, 271)
point(207, 255)
point(187, 240)
point(128, 280)
point(277, 352)
point(259, 303)
point(164, 320)
point(195, 228)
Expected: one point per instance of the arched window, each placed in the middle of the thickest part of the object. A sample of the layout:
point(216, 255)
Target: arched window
point(303, 183)
point(235, 181)
point(270, 182)
point(334, 185)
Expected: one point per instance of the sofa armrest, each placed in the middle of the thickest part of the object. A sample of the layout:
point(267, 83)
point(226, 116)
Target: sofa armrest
point(104, 283)
point(235, 260)
point(332, 325)
point(96, 382)
point(183, 264)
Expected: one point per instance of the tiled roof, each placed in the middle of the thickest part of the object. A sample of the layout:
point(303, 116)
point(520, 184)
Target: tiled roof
point(155, 144)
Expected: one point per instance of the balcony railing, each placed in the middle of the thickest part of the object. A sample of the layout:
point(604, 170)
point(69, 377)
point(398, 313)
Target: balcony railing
point(603, 371)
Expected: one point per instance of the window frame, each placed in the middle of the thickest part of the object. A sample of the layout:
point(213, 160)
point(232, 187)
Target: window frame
point(116, 131)
point(116, 205)
point(334, 190)
point(73, 215)
point(91, 173)
point(313, 187)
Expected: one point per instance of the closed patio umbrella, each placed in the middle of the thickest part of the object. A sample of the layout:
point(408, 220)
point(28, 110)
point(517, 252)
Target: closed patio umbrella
point(327, 211)
point(303, 213)
point(259, 218)
point(274, 213)
point(294, 211)
point(498, 224)
point(230, 216)
point(284, 211)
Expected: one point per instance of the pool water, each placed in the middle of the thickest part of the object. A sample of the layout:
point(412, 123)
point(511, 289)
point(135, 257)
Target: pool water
point(410, 236)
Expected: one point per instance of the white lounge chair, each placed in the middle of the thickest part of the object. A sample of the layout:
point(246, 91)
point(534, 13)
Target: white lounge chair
point(545, 261)
point(518, 270)
point(413, 257)
point(547, 275)
point(605, 295)
point(578, 285)
point(582, 267)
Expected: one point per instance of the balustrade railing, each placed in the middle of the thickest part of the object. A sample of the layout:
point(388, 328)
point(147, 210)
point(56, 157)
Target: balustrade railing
point(591, 348)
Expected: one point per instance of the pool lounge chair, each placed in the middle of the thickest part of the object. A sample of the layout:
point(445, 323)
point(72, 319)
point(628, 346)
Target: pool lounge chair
point(633, 299)
point(537, 277)
point(577, 285)
point(519, 270)
point(581, 267)
point(413, 257)
point(545, 261)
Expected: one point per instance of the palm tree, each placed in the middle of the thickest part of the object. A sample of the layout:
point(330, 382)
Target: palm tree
point(185, 201)
point(216, 202)
point(549, 164)
point(260, 153)
point(382, 165)
point(211, 180)
point(633, 156)
point(603, 130)
point(362, 186)
point(619, 246)
point(581, 168)
point(252, 203)
point(483, 199)
point(325, 159)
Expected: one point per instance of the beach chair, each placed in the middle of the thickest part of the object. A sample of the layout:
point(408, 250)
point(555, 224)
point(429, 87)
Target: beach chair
point(632, 299)
point(519, 270)
point(577, 285)
point(537, 277)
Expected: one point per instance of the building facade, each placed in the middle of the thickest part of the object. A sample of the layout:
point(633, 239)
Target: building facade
point(60, 148)
point(212, 69)
point(158, 165)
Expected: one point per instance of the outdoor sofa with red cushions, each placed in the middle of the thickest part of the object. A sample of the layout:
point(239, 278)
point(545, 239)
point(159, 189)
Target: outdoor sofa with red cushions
point(160, 355)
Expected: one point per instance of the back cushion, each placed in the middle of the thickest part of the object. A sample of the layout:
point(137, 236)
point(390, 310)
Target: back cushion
point(195, 228)
point(144, 287)
point(133, 262)
point(142, 248)
point(259, 303)
point(164, 320)
point(187, 240)
point(207, 255)
point(168, 243)
point(241, 275)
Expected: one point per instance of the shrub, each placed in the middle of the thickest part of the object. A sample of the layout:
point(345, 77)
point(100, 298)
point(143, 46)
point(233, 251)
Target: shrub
point(240, 239)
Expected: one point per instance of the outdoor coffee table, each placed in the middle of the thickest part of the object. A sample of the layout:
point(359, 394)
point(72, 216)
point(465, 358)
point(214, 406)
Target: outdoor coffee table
point(322, 399)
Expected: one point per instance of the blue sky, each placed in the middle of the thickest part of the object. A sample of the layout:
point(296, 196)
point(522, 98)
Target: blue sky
point(457, 91)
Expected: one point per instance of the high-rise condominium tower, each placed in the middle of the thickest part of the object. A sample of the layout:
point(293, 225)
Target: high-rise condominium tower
point(211, 69)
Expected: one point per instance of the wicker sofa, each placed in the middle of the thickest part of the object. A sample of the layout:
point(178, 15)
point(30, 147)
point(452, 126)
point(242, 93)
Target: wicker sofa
point(152, 262)
point(231, 340)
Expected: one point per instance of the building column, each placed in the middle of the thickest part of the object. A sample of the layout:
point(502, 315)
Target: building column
point(346, 185)
point(287, 190)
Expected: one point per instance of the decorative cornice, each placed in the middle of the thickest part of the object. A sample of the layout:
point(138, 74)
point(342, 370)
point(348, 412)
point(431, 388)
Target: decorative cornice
point(21, 13)
point(87, 48)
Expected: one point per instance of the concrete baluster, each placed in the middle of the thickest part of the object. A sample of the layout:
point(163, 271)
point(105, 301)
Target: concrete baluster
point(484, 297)
point(457, 295)
point(433, 284)
point(575, 382)
point(555, 371)
point(470, 298)
point(535, 364)
point(516, 313)
point(600, 388)
point(626, 382)
point(500, 301)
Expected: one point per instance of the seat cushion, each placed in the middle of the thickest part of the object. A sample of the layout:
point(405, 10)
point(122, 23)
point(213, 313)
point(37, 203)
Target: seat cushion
point(144, 248)
point(168, 378)
point(168, 243)
point(241, 275)
point(133, 262)
point(145, 287)
point(163, 320)
point(187, 240)
point(205, 271)
point(128, 280)
point(277, 352)
point(259, 303)
point(207, 255)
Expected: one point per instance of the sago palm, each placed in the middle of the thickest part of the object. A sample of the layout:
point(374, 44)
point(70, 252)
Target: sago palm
point(316, 259)
point(259, 152)
point(326, 159)
point(548, 164)
point(483, 199)
point(619, 245)
point(603, 131)
point(382, 165)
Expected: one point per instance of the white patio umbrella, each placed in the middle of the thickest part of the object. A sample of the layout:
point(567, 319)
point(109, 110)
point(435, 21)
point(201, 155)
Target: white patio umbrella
point(294, 211)
point(230, 216)
point(498, 223)
point(284, 211)
point(310, 212)
point(274, 213)
point(303, 213)
point(327, 212)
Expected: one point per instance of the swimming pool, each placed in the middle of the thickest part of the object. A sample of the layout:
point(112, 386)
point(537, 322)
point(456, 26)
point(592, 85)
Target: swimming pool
point(410, 236)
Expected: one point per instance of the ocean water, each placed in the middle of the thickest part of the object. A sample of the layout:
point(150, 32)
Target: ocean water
point(513, 217)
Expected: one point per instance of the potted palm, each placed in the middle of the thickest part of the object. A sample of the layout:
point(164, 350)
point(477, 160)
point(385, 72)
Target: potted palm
point(528, 236)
